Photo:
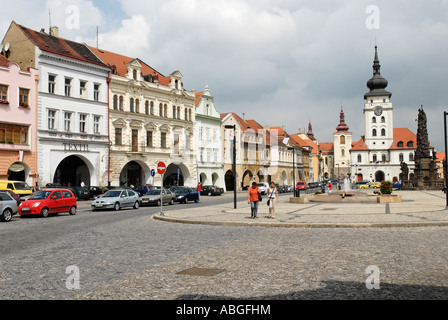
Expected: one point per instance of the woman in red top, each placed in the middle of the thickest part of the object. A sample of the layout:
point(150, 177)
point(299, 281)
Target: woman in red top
point(252, 198)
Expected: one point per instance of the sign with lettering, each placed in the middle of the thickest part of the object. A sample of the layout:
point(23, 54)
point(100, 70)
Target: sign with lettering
point(79, 147)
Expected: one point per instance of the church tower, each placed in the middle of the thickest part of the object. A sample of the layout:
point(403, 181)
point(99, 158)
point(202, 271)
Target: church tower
point(342, 139)
point(378, 111)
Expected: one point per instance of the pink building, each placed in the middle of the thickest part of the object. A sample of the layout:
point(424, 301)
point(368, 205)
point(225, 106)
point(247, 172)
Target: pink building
point(18, 114)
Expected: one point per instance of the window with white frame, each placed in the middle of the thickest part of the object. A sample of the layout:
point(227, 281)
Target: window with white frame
point(67, 121)
point(51, 119)
point(82, 123)
point(82, 89)
point(68, 87)
point(51, 83)
point(96, 92)
point(96, 124)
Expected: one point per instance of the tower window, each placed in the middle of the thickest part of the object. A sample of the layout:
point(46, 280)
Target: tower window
point(359, 158)
point(374, 132)
point(374, 120)
point(383, 132)
point(383, 120)
point(342, 140)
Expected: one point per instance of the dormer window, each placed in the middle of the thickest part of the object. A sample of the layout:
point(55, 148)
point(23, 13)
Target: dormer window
point(134, 74)
point(400, 144)
point(410, 144)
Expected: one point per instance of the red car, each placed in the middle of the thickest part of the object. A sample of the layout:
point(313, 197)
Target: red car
point(51, 201)
point(301, 186)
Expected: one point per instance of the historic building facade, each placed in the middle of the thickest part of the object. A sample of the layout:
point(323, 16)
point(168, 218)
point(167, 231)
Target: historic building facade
point(208, 141)
point(151, 119)
point(18, 121)
point(72, 119)
point(378, 155)
point(342, 141)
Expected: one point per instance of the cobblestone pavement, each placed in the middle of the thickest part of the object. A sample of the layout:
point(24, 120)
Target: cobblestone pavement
point(128, 255)
point(416, 209)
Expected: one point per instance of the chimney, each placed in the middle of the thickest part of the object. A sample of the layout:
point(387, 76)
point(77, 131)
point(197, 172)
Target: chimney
point(42, 30)
point(54, 31)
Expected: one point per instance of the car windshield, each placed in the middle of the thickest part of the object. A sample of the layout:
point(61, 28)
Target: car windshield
point(112, 194)
point(153, 192)
point(40, 195)
point(22, 186)
point(260, 184)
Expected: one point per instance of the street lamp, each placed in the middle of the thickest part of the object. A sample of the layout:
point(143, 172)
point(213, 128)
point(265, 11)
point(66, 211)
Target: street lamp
point(294, 168)
point(234, 162)
point(446, 158)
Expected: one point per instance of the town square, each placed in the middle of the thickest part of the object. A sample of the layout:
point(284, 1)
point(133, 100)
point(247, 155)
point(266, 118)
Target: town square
point(211, 150)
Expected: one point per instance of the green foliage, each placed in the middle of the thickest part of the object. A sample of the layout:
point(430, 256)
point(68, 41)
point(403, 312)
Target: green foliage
point(386, 187)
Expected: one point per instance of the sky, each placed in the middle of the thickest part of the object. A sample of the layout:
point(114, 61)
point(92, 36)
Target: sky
point(280, 62)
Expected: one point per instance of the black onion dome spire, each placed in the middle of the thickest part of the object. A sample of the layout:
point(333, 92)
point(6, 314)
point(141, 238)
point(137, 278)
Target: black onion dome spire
point(377, 84)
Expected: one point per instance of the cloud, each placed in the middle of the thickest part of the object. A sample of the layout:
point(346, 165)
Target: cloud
point(281, 62)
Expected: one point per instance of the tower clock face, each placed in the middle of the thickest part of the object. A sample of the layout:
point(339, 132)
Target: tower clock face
point(378, 111)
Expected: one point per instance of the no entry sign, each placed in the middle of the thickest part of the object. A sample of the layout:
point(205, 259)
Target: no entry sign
point(161, 168)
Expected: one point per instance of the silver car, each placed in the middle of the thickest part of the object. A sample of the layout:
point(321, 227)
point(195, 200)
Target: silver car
point(8, 207)
point(153, 197)
point(117, 199)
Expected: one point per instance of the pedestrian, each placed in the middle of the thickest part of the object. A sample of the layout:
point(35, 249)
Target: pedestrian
point(329, 187)
point(199, 191)
point(272, 196)
point(253, 197)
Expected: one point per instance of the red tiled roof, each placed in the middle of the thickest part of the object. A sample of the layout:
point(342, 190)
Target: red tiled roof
point(62, 47)
point(359, 145)
point(440, 156)
point(198, 97)
point(120, 62)
point(404, 135)
point(4, 62)
point(326, 146)
point(305, 143)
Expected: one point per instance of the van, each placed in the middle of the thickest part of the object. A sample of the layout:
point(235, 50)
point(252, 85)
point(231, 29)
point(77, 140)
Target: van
point(18, 187)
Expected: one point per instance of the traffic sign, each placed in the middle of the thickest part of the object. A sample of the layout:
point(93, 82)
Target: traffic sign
point(153, 172)
point(161, 168)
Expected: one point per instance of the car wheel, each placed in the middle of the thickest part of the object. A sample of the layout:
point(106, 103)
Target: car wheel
point(45, 212)
point(6, 215)
point(136, 205)
point(209, 194)
point(185, 201)
point(171, 202)
point(158, 203)
point(72, 211)
point(196, 201)
point(116, 206)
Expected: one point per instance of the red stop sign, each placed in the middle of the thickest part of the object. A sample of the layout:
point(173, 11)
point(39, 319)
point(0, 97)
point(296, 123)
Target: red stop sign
point(161, 168)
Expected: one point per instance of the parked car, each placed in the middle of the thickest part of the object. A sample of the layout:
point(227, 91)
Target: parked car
point(362, 182)
point(264, 186)
point(81, 193)
point(289, 188)
point(142, 190)
point(185, 194)
point(153, 197)
point(95, 192)
point(8, 207)
point(312, 185)
point(18, 187)
point(49, 201)
point(211, 190)
point(397, 185)
point(13, 195)
point(117, 199)
point(301, 185)
point(280, 189)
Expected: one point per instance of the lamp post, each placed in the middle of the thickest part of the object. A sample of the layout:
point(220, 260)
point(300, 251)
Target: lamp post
point(234, 162)
point(446, 158)
point(294, 169)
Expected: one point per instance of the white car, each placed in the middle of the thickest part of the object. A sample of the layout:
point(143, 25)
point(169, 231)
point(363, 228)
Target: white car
point(264, 186)
point(8, 207)
point(117, 199)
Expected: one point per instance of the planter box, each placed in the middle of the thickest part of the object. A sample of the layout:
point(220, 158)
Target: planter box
point(389, 198)
point(305, 199)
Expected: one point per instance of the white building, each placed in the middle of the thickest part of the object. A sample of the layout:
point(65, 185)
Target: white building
point(73, 140)
point(209, 147)
point(378, 154)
